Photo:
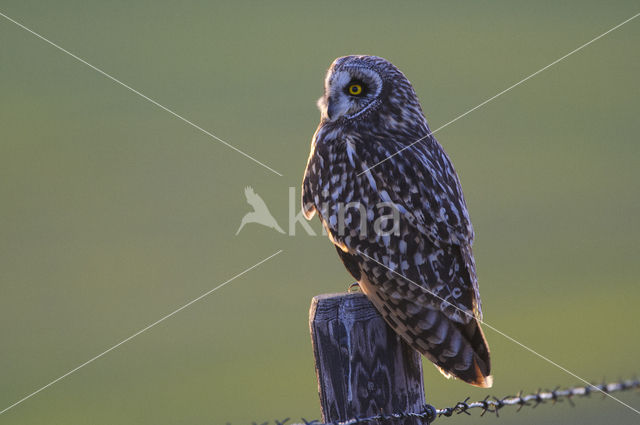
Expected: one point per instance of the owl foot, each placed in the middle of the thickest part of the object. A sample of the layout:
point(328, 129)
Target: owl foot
point(354, 287)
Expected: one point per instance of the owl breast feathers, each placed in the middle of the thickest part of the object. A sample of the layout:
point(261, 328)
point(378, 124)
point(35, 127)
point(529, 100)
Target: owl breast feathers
point(400, 227)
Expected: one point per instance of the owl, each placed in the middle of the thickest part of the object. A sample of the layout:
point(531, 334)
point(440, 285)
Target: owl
point(395, 211)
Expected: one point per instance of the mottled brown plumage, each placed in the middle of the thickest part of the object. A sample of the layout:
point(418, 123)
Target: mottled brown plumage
point(401, 228)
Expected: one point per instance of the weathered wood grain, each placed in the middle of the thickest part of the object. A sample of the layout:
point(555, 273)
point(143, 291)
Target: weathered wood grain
point(363, 367)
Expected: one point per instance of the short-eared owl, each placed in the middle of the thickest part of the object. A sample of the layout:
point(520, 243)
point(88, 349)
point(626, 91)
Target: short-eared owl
point(419, 272)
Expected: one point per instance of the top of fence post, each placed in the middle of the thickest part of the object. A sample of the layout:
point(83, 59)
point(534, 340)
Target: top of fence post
point(363, 367)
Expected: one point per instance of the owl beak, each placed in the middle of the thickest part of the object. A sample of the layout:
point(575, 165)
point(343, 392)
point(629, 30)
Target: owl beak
point(332, 110)
point(336, 108)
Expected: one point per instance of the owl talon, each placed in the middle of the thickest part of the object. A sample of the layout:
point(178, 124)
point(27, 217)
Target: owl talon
point(354, 287)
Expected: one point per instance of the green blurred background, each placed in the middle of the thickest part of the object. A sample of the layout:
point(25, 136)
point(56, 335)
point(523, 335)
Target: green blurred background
point(114, 213)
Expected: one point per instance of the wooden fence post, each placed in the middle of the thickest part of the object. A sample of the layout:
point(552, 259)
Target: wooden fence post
point(363, 367)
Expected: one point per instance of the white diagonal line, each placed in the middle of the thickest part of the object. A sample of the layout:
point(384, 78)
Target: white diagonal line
point(504, 91)
point(139, 332)
point(114, 79)
point(531, 350)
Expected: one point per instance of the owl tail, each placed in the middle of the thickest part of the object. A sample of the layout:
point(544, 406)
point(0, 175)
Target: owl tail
point(457, 349)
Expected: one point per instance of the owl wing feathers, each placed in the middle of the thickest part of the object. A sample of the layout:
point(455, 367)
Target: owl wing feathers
point(425, 190)
point(423, 184)
point(422, 180)
point(432, 250)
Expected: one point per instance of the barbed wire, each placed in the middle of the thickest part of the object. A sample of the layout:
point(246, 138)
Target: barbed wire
point(493, 405)
point(489, 404)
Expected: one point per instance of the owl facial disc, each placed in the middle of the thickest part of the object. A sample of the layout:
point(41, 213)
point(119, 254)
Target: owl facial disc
point(350, 90)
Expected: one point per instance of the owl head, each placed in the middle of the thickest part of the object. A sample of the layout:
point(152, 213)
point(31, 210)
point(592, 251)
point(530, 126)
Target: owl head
point(357, 86)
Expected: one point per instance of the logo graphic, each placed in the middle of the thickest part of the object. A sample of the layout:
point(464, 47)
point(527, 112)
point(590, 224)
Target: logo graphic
point(260, 213)
point(383, 219)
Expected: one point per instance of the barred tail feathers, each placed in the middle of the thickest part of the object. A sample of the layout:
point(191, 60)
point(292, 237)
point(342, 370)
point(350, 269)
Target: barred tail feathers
point(457, 349)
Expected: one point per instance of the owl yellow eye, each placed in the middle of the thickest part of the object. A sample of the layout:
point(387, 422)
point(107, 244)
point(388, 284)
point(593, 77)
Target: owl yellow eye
point(355, 89)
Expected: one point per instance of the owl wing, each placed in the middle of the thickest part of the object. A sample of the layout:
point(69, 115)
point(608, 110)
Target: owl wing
point(423, 185)
point(432, 308)
point(430, 250)
point(420, 182)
